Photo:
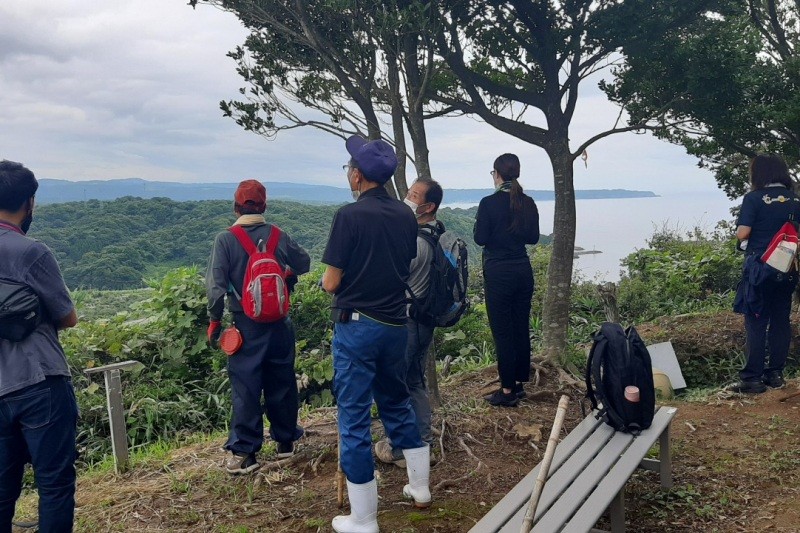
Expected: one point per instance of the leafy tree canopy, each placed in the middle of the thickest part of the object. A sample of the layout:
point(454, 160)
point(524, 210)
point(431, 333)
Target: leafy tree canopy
point(729, 80)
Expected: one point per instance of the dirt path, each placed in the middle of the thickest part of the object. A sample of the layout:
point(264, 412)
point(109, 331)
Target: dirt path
point(736, 468)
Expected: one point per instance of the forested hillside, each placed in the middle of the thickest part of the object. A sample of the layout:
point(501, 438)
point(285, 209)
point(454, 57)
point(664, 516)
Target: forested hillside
point(116, 244)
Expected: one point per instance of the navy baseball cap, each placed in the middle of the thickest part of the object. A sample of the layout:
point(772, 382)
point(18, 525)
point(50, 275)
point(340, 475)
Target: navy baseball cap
point(375, 159)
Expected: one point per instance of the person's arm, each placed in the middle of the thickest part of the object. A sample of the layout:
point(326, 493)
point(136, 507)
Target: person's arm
point(45, 278)
point(482, 229)
point(217, 280)
point(743, 232)
point(69, 321)
point(297, 258)
point(747, 216)
point(332, 279)
point(337, 253)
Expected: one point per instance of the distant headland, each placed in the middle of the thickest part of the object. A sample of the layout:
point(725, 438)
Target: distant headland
point(58, 191)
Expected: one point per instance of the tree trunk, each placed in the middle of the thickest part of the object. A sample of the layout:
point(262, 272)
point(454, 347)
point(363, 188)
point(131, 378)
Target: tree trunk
point(555, 319)
point(398, 130)
point(415, 97)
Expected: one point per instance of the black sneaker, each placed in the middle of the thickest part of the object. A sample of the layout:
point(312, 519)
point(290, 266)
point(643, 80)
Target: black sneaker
point(285, 450)
point(500, 398)
point(241, 464)
point(747, 387)
point(773, 379)
point(519, 391)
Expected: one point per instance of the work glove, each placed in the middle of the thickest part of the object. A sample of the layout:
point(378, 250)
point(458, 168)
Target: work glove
point(214, 330)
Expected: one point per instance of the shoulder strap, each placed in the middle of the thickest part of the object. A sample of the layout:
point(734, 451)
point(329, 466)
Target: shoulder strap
point(244, 239)
point(272, 242)
point(430, 237)
point(590, 364)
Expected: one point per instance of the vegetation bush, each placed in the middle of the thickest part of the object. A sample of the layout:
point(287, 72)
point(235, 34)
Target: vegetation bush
point(181, 387)
point(677, 275)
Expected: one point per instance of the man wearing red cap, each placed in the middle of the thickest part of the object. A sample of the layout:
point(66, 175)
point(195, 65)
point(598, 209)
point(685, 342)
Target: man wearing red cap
point(368, 255)
point(265, 362)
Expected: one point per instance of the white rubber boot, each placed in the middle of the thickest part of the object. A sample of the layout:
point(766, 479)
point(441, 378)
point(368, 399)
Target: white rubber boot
point(418, 467)
point(363, 509)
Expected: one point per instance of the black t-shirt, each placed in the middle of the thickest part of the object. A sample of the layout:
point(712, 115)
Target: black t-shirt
point(373, 242)
point(765, 211)
point(492, 228)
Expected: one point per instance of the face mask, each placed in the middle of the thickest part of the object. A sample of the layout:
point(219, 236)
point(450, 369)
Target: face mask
point(355, 195)
point(412, 205)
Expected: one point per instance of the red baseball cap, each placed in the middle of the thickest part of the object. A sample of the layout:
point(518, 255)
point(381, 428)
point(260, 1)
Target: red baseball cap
point(251, 191)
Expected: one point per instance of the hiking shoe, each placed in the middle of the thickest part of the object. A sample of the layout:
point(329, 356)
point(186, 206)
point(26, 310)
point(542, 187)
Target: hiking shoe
point(385, 454)
point(519, 391)
point(241, 463)
point(500, 398)
point(285, 450)
point(747, 387)
point(773, 379)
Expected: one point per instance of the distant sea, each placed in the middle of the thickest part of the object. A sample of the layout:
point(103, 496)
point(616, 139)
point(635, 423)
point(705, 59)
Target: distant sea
point(618, 227)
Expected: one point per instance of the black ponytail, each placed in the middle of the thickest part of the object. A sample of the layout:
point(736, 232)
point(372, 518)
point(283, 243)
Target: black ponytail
point(507, 165)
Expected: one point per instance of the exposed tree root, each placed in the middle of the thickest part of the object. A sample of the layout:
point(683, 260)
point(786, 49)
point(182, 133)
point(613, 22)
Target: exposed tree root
point(467, 449)
point(445, 483)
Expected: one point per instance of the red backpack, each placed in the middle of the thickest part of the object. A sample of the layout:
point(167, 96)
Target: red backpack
point(782, 250)
point(265, 294)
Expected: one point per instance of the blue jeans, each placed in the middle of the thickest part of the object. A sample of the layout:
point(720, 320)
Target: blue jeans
point(369, 362)
point(38, 424)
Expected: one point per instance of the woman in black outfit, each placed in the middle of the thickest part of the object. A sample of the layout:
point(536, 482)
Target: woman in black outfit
point(764, 295)
point(506, 221)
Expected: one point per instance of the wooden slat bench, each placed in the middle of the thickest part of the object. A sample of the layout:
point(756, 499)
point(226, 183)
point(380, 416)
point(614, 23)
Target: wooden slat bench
point(587, 476)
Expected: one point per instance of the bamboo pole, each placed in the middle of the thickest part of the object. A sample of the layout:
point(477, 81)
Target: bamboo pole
point(339, 472)
point(552, 442)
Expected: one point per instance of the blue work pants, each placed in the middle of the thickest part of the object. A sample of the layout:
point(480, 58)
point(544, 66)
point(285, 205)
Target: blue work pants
point(369, 362)
point(263, 367)
point(770, 329)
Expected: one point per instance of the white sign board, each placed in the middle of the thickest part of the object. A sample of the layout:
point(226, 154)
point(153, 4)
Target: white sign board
point(664, 358)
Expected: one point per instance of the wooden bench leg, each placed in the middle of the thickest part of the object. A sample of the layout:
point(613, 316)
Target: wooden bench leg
point(665, 459)
point(617, 511)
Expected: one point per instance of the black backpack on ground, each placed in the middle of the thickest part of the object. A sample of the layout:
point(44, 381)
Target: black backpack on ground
point(446, 299)
point(619, 359)
point(20, 311)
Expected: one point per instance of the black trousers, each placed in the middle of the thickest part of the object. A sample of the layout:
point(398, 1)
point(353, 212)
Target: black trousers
point(263, 366)
point(509, 289)
point(769, 330)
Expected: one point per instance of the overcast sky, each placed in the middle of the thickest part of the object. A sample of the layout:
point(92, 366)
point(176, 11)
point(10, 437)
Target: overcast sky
point(131, 89)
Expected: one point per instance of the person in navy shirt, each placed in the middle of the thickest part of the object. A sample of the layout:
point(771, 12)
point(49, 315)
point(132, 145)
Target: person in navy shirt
point(766, 306)
point(367, 258)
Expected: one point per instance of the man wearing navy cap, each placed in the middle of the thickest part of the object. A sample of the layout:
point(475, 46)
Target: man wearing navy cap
point(371, 245)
